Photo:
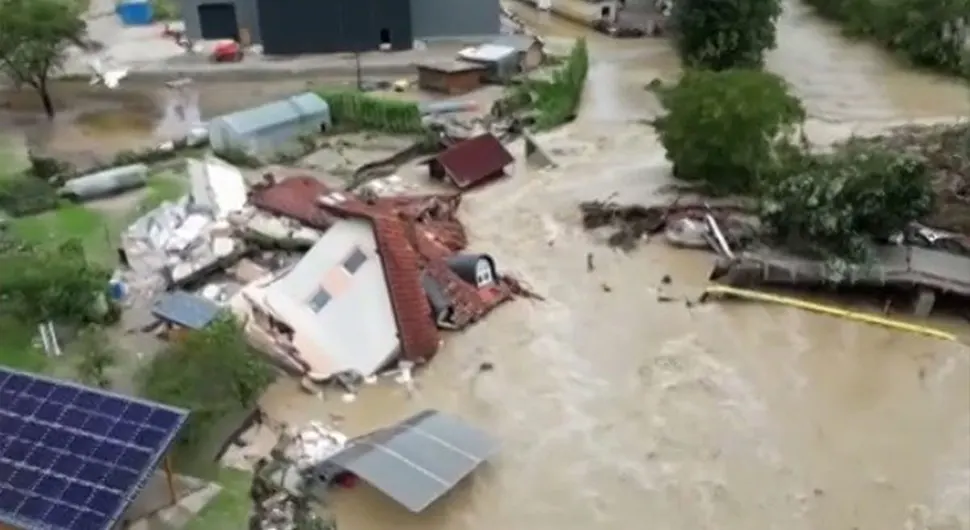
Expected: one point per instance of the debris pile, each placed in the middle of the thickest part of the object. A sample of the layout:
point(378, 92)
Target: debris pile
point(684, 224)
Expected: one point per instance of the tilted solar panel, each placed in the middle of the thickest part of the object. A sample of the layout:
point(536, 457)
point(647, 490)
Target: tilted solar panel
point(74, 458)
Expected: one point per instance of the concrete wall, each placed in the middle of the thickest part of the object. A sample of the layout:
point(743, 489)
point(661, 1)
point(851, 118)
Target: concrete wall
point(442, 19)
point(245, 16)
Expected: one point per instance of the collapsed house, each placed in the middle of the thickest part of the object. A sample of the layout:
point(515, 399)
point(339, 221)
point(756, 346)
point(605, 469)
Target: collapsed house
point(179, 241)
point(386, 274)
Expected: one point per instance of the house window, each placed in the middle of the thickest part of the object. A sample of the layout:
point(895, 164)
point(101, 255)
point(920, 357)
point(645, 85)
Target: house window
point(483, 273)
point(319, 300)
point(354, 261)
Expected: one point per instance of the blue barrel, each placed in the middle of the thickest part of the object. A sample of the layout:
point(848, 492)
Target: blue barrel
point(117, 290)
point(135, 12)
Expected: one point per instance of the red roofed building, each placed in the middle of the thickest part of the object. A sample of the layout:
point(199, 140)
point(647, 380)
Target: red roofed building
point(472, 162)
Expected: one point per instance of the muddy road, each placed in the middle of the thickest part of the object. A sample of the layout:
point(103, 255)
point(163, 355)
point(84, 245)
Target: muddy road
point(618, 411)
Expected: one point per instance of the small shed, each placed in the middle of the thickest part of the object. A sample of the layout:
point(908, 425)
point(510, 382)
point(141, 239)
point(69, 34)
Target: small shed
point(450, 77)
point(501, 62)
point(271, 128)
point(531, 50)
point(472, 162)
point(181, 312)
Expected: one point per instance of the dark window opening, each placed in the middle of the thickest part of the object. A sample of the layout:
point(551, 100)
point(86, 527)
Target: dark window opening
point(354, 261)
point(385, 36)
point(605, 11)
point(319, 300)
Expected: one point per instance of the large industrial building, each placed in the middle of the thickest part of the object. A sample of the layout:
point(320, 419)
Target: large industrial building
point(329, 26)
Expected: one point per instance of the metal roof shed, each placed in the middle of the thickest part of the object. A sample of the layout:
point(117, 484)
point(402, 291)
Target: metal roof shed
point(501, 62)
point(417, 461)
point(185, 310)
point(270, 128)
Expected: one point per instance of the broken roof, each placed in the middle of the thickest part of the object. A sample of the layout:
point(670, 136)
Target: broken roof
point(296, 198)
point(402, 271)
point(186, 309)
point(419, 460)
point(475, 160)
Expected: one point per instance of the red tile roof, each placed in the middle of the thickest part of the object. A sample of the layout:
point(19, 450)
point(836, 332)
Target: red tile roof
point(474, 161)
point(402, 270)
point(296, 198)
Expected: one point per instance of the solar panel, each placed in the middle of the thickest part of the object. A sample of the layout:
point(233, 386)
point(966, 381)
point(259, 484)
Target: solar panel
point(73, 458)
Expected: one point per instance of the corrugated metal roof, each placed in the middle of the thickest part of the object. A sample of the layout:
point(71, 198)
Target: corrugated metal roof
point(474, 161)
point(419, 460)
point(289, 110)
point(487, 53)
point(186, 309)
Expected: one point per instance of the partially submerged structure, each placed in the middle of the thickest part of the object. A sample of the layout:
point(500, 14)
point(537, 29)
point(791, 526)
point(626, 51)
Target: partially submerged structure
point(415, 462)
point(271, 128)
point(385, 275)
point(923, 271)
point(450, 77)
point(471, 162)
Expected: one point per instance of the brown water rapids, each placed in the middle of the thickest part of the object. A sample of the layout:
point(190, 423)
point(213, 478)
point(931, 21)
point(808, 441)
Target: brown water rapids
point(619, 412)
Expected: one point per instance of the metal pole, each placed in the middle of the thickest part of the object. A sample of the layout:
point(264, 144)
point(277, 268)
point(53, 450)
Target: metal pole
point(360, 79)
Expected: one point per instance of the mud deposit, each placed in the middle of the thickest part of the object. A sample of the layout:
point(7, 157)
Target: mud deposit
point(618, 411)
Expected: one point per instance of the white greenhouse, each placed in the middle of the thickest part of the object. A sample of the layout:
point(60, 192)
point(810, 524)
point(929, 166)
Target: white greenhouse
point(271, 128)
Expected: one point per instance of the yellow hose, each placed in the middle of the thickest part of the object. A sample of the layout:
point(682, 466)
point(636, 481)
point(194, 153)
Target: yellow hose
point(868, 318)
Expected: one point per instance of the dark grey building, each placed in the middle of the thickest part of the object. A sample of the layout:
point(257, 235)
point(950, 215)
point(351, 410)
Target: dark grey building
point(444, 19)
point(328, 26)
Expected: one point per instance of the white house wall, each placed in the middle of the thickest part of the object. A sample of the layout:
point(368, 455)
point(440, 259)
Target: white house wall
point(355, 330)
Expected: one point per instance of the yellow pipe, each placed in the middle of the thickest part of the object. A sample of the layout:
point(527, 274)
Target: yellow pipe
point(829, 310)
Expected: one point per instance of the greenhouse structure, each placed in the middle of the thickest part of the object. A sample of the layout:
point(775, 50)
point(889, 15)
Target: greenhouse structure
point(271, 128)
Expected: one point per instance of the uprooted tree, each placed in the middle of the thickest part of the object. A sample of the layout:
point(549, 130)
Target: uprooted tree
point(728, 130)
point(724, 34)
point(34, 38)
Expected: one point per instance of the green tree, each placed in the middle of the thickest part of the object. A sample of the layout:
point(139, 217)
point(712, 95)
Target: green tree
point(39, 284)
point(723, 34)
point(841, 203)
point(728, 130)
point(34, 37)
point(212, 372)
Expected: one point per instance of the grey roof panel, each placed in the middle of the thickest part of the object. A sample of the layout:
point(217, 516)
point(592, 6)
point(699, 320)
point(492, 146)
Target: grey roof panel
point(418, 460)
point(186, 309)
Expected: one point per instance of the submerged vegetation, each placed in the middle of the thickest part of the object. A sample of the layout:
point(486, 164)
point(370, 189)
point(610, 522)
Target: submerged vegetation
point(352, 110)
point(929, 33)
point(555, 100)
point(725, 34)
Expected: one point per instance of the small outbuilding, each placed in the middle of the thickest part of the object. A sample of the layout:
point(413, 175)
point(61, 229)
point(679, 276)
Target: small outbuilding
point(181, 312)
point(271, 128)
point(472, 162)
point(530, 50)
point(450, 77)
point(501, 62)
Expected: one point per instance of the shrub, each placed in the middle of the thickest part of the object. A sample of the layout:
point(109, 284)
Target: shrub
point(212, 373)
point(724, 34)
point(930, 33)
point(728, 130)
point(356, 110)
point(556, 100)
point(842, 202)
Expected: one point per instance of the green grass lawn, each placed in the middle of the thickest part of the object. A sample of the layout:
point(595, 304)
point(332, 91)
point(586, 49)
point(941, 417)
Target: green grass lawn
point(162, 186)
point(230, 509)
point(95, 231)
point(16, 348)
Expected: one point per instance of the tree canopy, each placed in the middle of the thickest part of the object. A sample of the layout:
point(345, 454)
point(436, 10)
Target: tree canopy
point(722, 34)
point(34, 38)
point(726, 130)
point(212, 373)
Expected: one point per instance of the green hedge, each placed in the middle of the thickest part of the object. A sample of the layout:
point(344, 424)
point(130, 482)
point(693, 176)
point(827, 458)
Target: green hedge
point(357, 110)
point(926, 32)
point(557, 100)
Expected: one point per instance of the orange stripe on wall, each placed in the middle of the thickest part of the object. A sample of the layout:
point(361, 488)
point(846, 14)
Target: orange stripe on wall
point(336, 281)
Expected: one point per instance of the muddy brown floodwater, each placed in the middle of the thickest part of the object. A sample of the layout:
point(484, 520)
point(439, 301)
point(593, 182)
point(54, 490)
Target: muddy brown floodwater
point(618, 411)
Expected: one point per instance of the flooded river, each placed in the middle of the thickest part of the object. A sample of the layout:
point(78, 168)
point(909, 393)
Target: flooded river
point(618, 411)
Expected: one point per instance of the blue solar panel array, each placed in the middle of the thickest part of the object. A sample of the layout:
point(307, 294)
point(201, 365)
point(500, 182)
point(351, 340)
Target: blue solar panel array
point(73, 458)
